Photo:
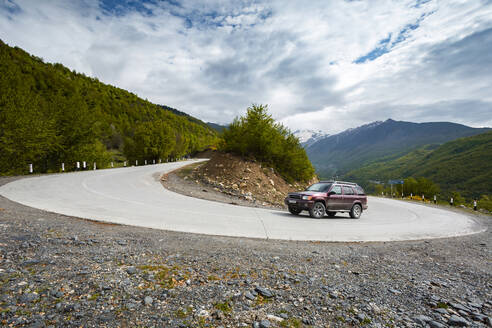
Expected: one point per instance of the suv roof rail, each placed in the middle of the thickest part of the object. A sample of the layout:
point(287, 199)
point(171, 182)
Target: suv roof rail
point(340, 182)
point(348, 183)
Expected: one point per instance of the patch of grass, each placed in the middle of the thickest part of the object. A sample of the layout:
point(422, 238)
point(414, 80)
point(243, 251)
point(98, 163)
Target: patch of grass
point(260, 300)
point(165, 276)
point(94, 297)
point(213, 278)
point(442, 305)
point(224, 307)
point(366, 321)
point(291, 323)
point(183, 313)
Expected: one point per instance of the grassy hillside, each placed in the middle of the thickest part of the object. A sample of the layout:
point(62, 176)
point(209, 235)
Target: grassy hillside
point(349, 150)
point(463, 165)
point(49, 115)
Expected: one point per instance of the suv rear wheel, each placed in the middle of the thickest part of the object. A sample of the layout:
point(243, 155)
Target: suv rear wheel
point(356, 211)
point(318, 210)
point(294, 210)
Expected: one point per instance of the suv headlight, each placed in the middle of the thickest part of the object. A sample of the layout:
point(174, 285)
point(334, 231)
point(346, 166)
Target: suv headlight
point(307, 197)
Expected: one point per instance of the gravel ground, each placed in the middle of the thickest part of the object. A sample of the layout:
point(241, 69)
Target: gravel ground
point(61, 271)
point(195, 188)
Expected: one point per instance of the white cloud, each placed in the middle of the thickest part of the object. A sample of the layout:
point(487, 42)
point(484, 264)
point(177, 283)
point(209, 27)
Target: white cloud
point(213, 59)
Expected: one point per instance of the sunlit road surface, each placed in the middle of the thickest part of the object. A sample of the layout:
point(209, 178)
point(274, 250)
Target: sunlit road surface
point(134, 196)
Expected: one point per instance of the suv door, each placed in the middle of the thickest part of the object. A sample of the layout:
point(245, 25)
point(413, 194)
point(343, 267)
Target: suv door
point(348, 197)
point(335, 201)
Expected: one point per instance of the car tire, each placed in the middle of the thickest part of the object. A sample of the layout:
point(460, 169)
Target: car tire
point(294, 210)
point(318, 210)
point(356, 211)
point(331, 214)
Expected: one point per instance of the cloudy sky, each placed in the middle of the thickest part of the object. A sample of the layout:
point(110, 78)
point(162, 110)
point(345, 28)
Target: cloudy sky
point(326, 65)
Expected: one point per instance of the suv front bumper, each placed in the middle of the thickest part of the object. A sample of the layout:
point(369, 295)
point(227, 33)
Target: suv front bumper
point(299, 203)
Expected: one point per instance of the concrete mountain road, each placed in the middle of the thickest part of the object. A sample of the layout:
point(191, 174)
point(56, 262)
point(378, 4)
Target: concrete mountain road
point(135, 196)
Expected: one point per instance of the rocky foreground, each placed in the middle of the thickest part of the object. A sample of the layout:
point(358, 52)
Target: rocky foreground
point(62, 271)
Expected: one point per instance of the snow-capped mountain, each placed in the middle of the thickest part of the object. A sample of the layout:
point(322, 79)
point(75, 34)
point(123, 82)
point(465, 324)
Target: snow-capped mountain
point(308, 137)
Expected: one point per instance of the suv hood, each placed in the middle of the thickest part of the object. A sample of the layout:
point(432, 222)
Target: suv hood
point(306, 193)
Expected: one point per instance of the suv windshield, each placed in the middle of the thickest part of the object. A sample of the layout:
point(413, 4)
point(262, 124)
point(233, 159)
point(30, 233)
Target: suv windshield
point(321, 187)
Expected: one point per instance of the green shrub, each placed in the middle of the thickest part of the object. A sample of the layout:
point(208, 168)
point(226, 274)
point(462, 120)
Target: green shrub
point(257, 135)
point(485, 202)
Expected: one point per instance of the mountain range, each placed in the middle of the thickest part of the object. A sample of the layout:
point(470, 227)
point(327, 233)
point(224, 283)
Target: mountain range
point(338, 154)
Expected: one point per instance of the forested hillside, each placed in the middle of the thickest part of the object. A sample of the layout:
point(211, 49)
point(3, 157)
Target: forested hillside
point(463, 165)
point(351, 149)
point(50, 115)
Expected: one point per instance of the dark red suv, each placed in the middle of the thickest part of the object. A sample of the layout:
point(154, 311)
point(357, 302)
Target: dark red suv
point(328, 197)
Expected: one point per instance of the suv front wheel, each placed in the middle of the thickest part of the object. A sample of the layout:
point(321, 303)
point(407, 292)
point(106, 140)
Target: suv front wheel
point(318, 210)
point(356, 211)
point(294, 210)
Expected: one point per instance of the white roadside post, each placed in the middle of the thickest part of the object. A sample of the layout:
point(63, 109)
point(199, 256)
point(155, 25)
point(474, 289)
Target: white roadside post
point(160, 161)
point(63, 167)
point(84, 165)
point(136, 162)
point(78, 166)
point(145, 162)
point(94, 165)
point(30, 168)
point(124, 163)
point(153, 161)
point(112, 164)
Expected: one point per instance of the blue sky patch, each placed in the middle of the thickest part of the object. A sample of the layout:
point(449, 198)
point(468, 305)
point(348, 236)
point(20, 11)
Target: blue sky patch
point(10, 6)
point(121, 8)
point(384, 46)
point(381, 49)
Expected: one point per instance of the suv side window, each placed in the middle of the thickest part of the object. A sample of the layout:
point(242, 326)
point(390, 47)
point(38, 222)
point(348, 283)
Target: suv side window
point(337, 190)
point(347, 191)
point(359, 190)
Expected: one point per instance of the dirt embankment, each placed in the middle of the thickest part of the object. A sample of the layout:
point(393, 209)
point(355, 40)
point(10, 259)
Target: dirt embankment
point(245, 182)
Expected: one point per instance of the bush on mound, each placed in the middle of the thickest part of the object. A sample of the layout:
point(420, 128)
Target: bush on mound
point(258, 135)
